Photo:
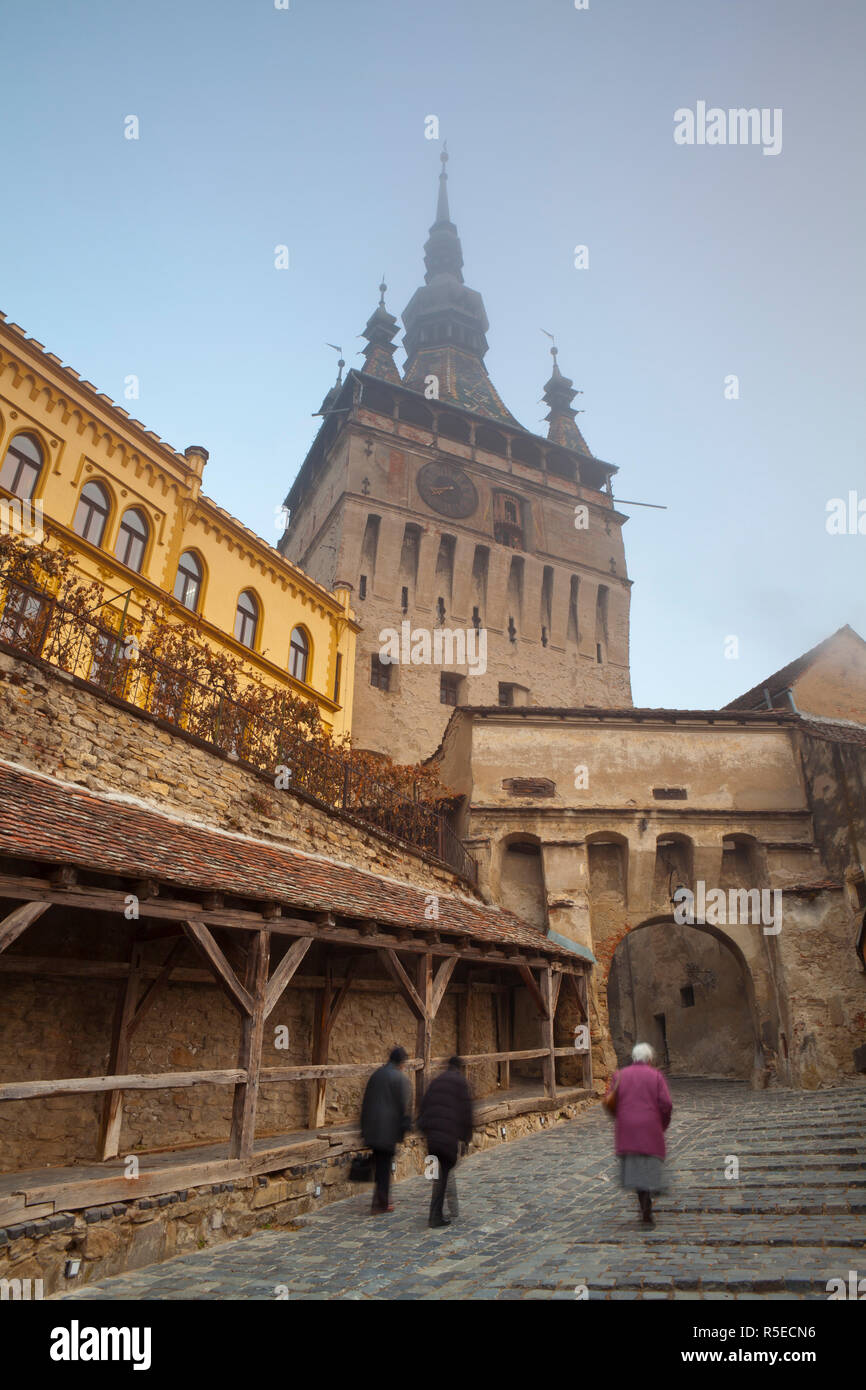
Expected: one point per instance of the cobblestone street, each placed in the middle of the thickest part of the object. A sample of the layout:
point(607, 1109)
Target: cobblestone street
point(543, 1215)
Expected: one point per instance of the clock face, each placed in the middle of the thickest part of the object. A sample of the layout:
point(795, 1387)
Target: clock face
point(447, 489)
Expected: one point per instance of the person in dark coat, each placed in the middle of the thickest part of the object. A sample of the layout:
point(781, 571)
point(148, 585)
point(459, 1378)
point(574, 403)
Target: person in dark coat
point(385, 1120)
point(445, 1119)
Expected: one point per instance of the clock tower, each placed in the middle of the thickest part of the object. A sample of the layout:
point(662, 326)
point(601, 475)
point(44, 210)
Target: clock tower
point(491, 558)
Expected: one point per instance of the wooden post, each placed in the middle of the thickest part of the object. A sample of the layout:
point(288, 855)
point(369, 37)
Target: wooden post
point(503, 1027)
point(586, 1058)
point(118, 1061)
point(250, 1048)
point(464, 1005)
point(321, 1040)
point(424, 1040)
point(547, 1041)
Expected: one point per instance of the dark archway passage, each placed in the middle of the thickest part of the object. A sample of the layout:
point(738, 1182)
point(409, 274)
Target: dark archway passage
point(688, 992)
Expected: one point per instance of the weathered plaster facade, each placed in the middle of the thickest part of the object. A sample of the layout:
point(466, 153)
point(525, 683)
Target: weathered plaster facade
point(591, 819)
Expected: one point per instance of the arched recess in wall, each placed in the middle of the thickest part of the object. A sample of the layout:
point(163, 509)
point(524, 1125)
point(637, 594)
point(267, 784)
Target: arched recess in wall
point(521, 878)
point(742, 862)
point(607, 858)
point(674, 866)
point(689, 992)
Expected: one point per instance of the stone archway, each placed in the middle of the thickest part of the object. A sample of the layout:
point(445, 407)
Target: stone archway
point(689, 991)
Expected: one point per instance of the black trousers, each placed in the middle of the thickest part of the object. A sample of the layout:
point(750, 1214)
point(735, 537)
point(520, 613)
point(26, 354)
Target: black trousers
point(382, 1160)
point(440, 1183)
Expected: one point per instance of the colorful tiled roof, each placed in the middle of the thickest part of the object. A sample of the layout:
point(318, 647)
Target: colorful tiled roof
point(57, 823)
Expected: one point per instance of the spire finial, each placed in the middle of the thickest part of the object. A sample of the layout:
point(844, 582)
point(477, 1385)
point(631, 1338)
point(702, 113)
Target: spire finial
point(443, 213)
point(382, 289)
point(340, 362)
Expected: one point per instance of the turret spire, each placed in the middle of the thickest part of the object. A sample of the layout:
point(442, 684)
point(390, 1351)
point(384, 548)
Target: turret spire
point(379, 332)
point(559, 392)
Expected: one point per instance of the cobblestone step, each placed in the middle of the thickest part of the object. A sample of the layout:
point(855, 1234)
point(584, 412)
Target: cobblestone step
point(544, 1214)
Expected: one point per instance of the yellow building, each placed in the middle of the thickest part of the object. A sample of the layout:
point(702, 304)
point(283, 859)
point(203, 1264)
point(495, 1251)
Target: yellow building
point(132, 511)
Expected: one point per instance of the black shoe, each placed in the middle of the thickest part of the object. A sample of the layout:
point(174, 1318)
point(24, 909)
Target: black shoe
point(443, 1221)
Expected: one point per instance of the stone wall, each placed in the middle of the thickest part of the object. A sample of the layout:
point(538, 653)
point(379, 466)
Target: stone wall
point(129, 1235)
point(55, 725)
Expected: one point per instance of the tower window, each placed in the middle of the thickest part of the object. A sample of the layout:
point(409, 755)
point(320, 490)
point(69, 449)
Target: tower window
point(362, 586)
point(380, 673)
point(337, 675)
point(506, 695)
point(440, 610)
point(687, 996)
point(404, 599)
point(512, 630)
point(476, 618)
point(598, 655)
point(449, 689)
point(544, 637)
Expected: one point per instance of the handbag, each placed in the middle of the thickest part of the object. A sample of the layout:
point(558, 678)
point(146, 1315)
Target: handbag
point(609, 1099)
point(361, 1168)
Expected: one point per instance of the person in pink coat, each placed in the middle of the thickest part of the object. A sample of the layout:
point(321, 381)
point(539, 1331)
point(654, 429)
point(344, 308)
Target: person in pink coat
point(643, 1113)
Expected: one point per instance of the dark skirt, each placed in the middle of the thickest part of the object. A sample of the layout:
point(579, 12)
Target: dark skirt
point(643, 1172)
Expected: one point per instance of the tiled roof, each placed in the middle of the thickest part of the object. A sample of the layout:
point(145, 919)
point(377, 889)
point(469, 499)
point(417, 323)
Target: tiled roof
point(54, 822)
point(784, 678)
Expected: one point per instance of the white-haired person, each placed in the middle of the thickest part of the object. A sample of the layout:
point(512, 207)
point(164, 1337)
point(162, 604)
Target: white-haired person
point(640, 1101)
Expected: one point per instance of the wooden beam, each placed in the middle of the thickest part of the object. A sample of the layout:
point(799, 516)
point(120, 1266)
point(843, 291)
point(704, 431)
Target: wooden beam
point(321, 1039)
point(243, 1127)
point(529, 980)
point(526, 1055)
point(586, 1057)
point(188, 975)
point(440, 984)
point(284, 972)
point(398, 974)
point(313, 1071)
point(113, 902)
point(201, 937)
point(424, 1044)
point(19, 920)
point(503, 1028)
point(135, 1081)
point(157, 985)
point(555, 987)
point(112, 1110)
point(549, 1063)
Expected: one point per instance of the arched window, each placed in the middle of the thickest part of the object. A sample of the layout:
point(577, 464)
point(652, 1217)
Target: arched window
point(299, 650)
point(91, 513)
point(132, 539)
point(21, 466)
point(187, 585)
point(247, 619)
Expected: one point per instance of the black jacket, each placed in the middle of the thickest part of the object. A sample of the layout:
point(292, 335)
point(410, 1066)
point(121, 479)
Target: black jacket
point(445, 1117)
point(385, 1110)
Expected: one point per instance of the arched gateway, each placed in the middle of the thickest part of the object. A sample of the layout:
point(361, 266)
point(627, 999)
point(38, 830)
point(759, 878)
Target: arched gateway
point(689, 991)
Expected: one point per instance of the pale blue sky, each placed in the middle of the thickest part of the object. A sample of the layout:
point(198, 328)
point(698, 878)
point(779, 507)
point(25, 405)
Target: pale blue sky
point(306, 127)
